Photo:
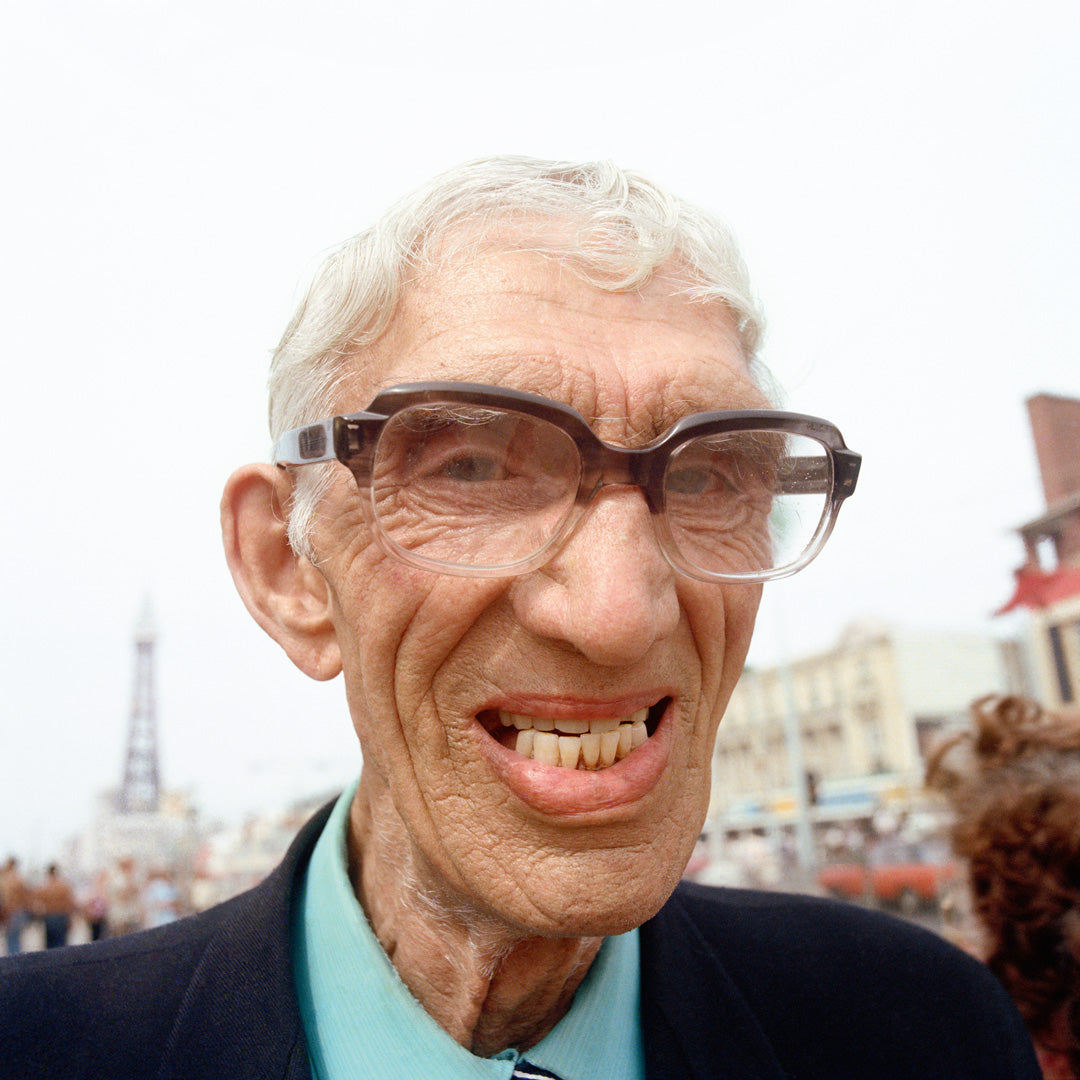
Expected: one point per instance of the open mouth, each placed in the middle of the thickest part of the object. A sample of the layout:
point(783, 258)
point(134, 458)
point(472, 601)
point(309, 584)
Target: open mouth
point(574, 743)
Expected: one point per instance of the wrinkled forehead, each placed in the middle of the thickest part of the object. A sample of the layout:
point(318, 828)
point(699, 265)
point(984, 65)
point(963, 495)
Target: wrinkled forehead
point(632, 362)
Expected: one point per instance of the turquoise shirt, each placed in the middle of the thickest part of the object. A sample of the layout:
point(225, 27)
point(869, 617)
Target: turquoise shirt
point(361, 1020)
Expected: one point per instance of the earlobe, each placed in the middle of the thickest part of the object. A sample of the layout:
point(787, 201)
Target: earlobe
point(286, 595)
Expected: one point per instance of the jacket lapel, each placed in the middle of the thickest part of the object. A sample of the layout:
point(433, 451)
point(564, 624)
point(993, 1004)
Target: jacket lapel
point(696, 1023)
point(240, 1017)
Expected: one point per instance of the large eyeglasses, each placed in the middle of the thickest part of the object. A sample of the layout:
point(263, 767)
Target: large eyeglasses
point(478, 481)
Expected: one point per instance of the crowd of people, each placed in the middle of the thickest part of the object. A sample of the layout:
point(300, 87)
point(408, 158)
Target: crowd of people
point(108, 904)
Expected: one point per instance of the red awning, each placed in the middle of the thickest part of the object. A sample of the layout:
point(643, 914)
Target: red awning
point(1037, 588)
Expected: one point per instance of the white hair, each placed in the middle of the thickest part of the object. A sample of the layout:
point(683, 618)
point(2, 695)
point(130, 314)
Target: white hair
point(614, 227)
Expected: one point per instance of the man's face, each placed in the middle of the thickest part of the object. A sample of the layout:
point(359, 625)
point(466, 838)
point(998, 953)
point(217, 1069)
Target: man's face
point(604, 630)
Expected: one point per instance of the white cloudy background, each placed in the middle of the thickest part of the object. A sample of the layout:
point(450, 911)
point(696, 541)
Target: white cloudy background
point(903, 176)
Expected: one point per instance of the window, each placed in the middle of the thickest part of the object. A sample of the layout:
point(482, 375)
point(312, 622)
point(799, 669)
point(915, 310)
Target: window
point(1061, 664)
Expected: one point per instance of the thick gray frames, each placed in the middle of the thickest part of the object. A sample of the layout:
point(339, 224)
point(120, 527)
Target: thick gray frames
point(746, 495)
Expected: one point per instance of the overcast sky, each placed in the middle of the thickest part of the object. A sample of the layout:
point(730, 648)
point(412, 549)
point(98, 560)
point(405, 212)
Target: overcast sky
point(903, 177)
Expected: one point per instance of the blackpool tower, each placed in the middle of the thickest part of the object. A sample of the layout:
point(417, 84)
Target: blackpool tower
point(140, 790)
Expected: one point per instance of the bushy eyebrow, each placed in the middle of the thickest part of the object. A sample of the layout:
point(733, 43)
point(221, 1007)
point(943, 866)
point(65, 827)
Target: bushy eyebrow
point(433, 417)
point(668, 411)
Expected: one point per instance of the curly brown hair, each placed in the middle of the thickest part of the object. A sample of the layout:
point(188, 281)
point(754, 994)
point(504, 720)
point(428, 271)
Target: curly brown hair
point(1014, 783)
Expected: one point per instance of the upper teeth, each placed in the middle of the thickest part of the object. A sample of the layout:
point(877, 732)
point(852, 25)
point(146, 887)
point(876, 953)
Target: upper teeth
point(577, 743)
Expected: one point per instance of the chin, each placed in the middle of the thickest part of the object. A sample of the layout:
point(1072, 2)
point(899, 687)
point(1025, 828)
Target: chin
point(599, 903)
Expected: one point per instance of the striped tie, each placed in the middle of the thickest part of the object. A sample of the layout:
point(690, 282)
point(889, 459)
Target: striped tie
point(524, 1071)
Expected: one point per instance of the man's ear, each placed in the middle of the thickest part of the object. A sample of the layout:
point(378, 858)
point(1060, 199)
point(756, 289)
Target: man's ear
point(286, 595)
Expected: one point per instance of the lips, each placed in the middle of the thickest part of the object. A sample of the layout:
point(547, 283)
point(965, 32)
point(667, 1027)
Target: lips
point(562, 760)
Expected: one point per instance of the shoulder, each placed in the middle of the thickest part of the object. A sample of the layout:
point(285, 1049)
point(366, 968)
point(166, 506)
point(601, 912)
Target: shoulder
point(809, 930)
point(132, 982)
point(783, 944)
point(832, 984)
point(102, 1005)
point(200, 992)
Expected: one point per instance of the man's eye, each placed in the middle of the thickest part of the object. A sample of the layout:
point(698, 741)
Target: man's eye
point(472, 469)
point(697, 481)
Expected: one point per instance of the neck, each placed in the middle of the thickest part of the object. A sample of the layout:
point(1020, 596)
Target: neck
point(490, 985)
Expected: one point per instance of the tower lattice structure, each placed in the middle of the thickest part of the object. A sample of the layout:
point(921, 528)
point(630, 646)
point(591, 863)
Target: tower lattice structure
point(140, 791)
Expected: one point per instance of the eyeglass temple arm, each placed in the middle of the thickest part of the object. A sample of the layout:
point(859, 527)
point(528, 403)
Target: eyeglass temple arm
point(328, 440)
point(306, 445)
point(810, 475)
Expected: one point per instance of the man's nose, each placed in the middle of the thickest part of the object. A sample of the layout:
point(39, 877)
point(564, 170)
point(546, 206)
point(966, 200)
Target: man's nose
point(608, 592)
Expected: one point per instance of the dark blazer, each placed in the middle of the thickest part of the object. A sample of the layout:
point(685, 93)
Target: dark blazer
point(735, 986)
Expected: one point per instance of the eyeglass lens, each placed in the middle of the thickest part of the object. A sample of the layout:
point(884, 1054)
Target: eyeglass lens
point(746, 502)
point(472, 486)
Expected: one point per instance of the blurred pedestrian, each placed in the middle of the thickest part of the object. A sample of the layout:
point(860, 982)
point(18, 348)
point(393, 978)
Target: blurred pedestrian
point(125, 902)
point(1014, 782)
point(14, 905)
point(160, 899)
point(55, 902)
point(94, 904)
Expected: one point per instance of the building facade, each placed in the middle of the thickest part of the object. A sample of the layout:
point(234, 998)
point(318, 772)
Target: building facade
point(841, 736)
point(1048, 582)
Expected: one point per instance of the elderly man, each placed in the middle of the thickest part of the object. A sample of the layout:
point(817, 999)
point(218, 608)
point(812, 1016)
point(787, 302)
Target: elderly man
point(526, 490)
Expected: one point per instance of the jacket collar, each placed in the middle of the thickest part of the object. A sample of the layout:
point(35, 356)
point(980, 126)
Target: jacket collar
point(696, 1022)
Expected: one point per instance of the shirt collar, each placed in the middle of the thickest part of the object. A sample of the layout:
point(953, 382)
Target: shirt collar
point(361, 1020)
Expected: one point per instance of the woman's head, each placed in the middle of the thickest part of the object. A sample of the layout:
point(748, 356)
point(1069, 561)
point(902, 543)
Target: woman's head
point(1014, 782)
